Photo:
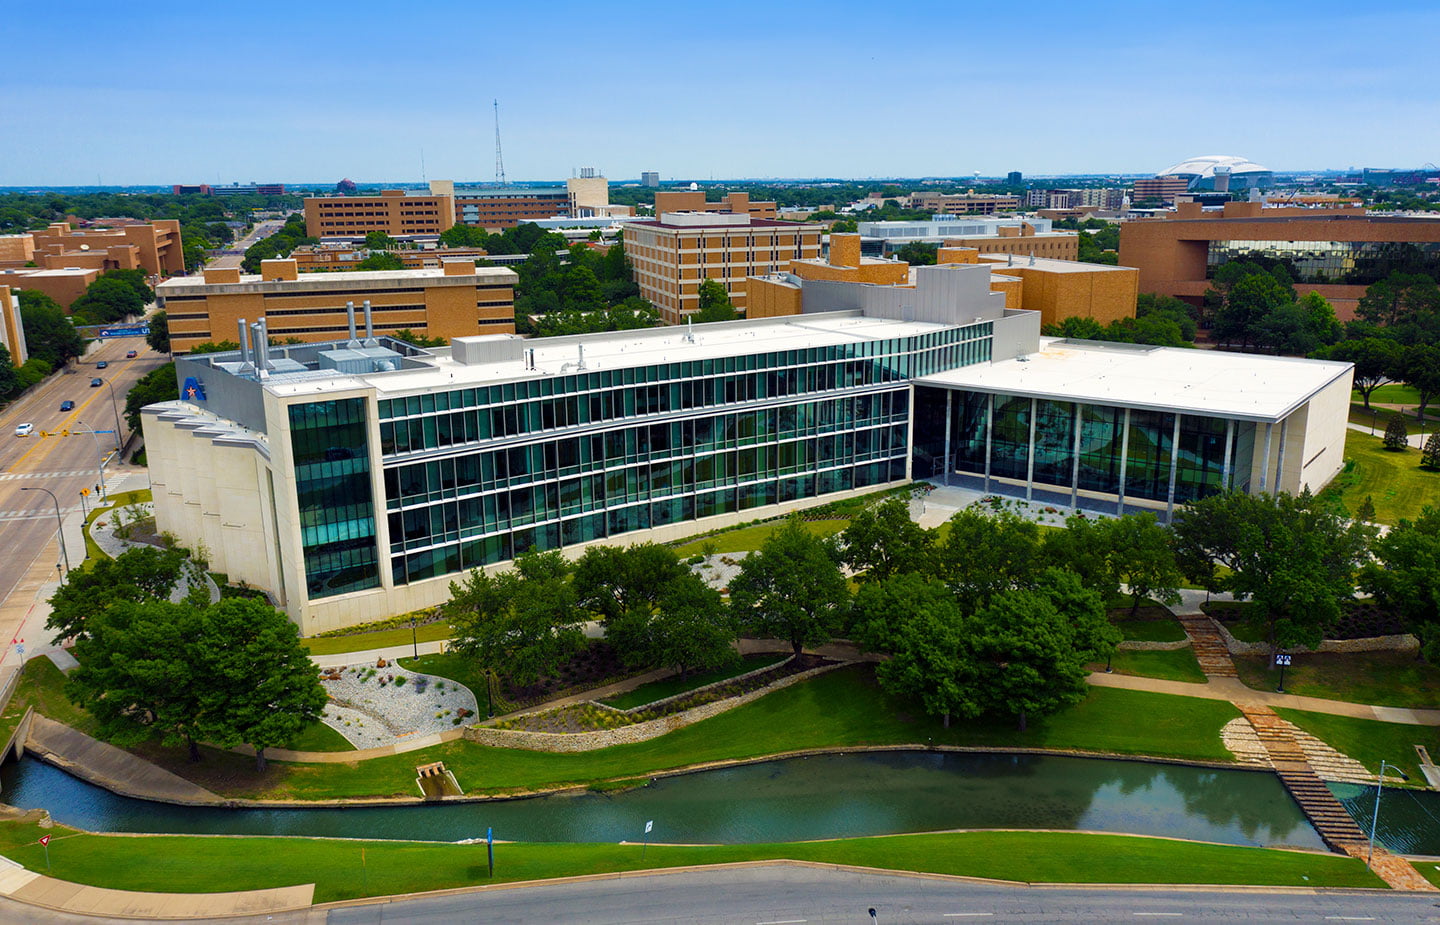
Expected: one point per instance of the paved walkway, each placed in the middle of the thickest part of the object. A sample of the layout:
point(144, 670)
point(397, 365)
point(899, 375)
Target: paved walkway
point(102, 531)
point(1416, 440)
point(110, 767)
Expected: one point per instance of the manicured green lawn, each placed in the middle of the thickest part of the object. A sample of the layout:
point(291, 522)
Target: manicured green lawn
point(669, 687)
point(1151, 624)
point(318, 737)
point(1390, 679)
point(380, 639)
point(1394, 482)
point(747, 539)
point(457, 668)
point(1392, 394)
point(1169, 665)
point(1368, 740)
point(840, 708)
point(202, 864)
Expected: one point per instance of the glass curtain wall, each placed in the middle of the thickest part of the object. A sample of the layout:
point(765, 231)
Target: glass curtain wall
point(332, 485)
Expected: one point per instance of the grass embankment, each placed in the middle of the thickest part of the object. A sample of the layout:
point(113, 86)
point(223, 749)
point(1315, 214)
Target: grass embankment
point(116, 501)
point(1389, 679)
point(1166, 664)
point(669, 687)
point(379, 639)
point(1393, 481)
point(1368, 740)
point(1152, 623)
point(202, 864)
point(751, 538)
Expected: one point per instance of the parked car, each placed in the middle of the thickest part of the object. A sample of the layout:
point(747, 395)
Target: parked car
point(96, 383)
point(131, 355)
point(101, 365)
point(67, 405)
point(24, 430)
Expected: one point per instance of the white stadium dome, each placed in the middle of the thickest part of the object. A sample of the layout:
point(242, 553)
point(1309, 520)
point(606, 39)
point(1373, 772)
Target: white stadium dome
point(1200, 171)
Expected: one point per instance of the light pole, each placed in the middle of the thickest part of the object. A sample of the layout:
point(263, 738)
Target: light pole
point(1375, 819)
point(64, 553)
point(414, 646)
point(115, 408)
point(100, 465)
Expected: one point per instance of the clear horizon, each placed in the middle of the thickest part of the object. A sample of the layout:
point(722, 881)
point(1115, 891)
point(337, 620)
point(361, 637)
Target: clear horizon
point(175, 94)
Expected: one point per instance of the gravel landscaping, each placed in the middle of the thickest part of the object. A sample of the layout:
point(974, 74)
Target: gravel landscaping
point(372, 706)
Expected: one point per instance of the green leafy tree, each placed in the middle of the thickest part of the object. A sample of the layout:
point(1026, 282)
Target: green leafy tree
point(1247, 303)
point(256, 683)
point(918, 254)
point(137, 280)
point(1420, 369)
point(1171, 308)
point(158, 338)
point(1430, 455)
point(919, 623)
point(107, 299)
point(986, 553)
point(691, 629)
point(1404, 577)
point(1397, 437)
point(155, 386)
point(580, 290)
point(380, 260)
point(378, 241)
point(215, 346)
point(715, 304)
point(1405, 305)
point(48, 333)
point(1077, 327)
point(882, 540)
point(1293, 557)
point(791, 589)
point(1366, 512)
point(1143, 559)
point(419, 340)
point(1086, 549)
point(137, 575)
point(9, 381)
point(622, 587)
point(1376, 359)
point(520, 623)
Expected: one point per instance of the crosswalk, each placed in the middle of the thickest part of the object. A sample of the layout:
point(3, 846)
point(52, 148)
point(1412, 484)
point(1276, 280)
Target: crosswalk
point(35, 514)
point(58, 474)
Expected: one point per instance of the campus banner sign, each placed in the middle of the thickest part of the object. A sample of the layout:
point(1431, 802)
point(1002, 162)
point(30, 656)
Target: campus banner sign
point(124, 330)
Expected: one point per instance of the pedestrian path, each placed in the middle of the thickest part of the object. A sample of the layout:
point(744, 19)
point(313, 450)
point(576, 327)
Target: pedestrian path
point(1208, 646)
point(37, 513)
point(1416, 440)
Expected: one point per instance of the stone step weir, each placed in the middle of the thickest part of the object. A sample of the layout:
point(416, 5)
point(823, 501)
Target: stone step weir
point(1208, 646)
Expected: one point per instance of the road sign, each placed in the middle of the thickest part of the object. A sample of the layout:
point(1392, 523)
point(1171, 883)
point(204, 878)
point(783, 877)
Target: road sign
point(1282, 659)
point(20, 649)
point(649, 825)
point(45, 840)
point(125, 330)
point(84, 491)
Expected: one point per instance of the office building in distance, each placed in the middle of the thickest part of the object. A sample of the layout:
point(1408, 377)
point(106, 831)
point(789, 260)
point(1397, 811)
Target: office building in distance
point(457, 299)
point(1337, 252)
point(963, 203)
point(650, 178)
point(695, 201)
point(675, 253)
point(1018, 236)
point(356, 479)
point(155, 248)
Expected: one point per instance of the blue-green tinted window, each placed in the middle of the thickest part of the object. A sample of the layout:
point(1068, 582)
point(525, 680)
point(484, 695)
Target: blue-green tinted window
point(332, 485)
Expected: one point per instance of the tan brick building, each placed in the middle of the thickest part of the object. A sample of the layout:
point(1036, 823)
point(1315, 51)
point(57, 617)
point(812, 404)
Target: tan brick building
point(963, 203)
point(456, 300)
point(1164, 189)
point(394, 212)
point(329, 257)
point(63, 285)
point(410, 212)
point(676, 252)
point(1337, 252)
point(694, 201)
point(155, 248)
point(1023, 241)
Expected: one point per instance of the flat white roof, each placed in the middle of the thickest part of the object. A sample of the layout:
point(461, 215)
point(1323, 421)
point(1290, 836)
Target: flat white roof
point(1209, 382)
point(555, 356)
point(326, 280)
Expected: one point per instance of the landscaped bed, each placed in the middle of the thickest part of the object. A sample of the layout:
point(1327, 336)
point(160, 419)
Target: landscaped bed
point(669, 687)
point(1360, 618)
point(1390, 679)
point(1152, 623)
point(375, 705)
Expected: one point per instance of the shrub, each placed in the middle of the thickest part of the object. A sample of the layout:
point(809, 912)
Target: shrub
point(1396, 434)
point(1430, 456)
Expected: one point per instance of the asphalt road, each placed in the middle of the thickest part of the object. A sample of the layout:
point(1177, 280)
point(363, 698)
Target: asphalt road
point(236, 252)
point(803, 896)
point(62, 464)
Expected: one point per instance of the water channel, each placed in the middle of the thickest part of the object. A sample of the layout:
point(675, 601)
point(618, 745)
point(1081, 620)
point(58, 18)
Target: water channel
point(785, 800)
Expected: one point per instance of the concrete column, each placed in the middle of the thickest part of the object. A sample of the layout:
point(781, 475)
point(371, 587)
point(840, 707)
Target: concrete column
point(949, 405)
point(1030, 456)
point(1075, 461)
point(989, 431)
point(1174, 465)
point(1265, 463)
point(1229, 449)
point(1124, 458)
point(1280, 458)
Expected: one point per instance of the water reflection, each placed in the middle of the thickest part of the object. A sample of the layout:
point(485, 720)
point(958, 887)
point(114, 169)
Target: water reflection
point(789, 800)
point(1409, 819)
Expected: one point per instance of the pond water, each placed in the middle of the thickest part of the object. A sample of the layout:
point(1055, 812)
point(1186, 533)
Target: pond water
point(1409, 819)
point(785, 800)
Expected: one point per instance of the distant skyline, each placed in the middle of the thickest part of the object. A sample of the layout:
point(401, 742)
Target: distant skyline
point(310, 93)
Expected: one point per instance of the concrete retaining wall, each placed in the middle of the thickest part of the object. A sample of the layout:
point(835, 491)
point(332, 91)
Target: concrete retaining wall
point(1403, 642)
point(700, 690)
point(626, 735)
point(1137, 645)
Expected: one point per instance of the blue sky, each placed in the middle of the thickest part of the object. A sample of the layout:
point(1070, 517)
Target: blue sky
point(316, 91)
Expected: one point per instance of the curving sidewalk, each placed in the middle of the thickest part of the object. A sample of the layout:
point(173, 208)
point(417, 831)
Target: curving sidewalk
point(113, 546)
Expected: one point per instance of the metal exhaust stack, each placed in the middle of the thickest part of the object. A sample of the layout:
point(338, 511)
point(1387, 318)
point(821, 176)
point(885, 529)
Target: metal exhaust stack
point(350, 321)
point(244, 343)
point(261, 346)
point(369, 327)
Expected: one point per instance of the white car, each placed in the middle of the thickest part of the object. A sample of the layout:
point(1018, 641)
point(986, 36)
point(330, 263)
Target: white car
point(24, 430)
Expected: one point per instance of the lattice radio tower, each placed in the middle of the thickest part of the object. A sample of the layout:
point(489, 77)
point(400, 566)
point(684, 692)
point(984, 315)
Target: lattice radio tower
point(499, 158)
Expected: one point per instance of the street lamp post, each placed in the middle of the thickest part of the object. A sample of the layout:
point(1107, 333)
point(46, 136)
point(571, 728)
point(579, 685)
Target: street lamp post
point(64, 553)
point(115, 407)
point(100, 465)
point(414, 645)
point(1375, 819)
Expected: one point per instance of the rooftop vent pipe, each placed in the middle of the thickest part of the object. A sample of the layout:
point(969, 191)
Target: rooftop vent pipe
point(582, 357)
point(260, 344)
point(244, 343)
point(350, 321)
point(369, 327)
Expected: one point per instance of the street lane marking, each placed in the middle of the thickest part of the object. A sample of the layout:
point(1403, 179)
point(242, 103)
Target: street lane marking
point(783, 922)
point(1349, 918)
point(79, 410)
point(1160, 914)
point(965, 915)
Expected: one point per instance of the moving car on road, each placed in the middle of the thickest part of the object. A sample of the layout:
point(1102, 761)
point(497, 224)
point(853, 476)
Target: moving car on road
point(101, 365)
point(24, 430)
point(131, 355)
point(96, 383)
point(67, 405)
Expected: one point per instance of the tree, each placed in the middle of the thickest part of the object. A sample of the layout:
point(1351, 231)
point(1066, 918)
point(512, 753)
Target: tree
point(48, 333)
point(985, 554)
point(1078, 327)
point(715, 304)
point(155, 386)
point(622, 587)
point(380, 260)
point(792, 588)
point(1171, 308)
point(1143, 559)
point(136, 575)
point(419, 340)
point(1430, 455)
point(136, 279)
point(1366, 512)
point(919, 623)
point(521, 622)
point(1406, 304)
point(691, 629)
point(580, 290)
point(1086, 549)
point(882, 540)
point(214, 346)
point(137, 676)
point(1405, 577)
point(256, 683)
point(1376, 359)
point(918, 254)
point(1420, 369)
point(378, 241)
point(158, 337)
point(1397, 438)
point(107, 299)
point(1293, 557)
point(9, 381)
point(1247, 303)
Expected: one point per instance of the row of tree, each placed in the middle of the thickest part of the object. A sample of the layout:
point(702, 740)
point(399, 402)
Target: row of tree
point(1163, 321)
point(187, 673)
